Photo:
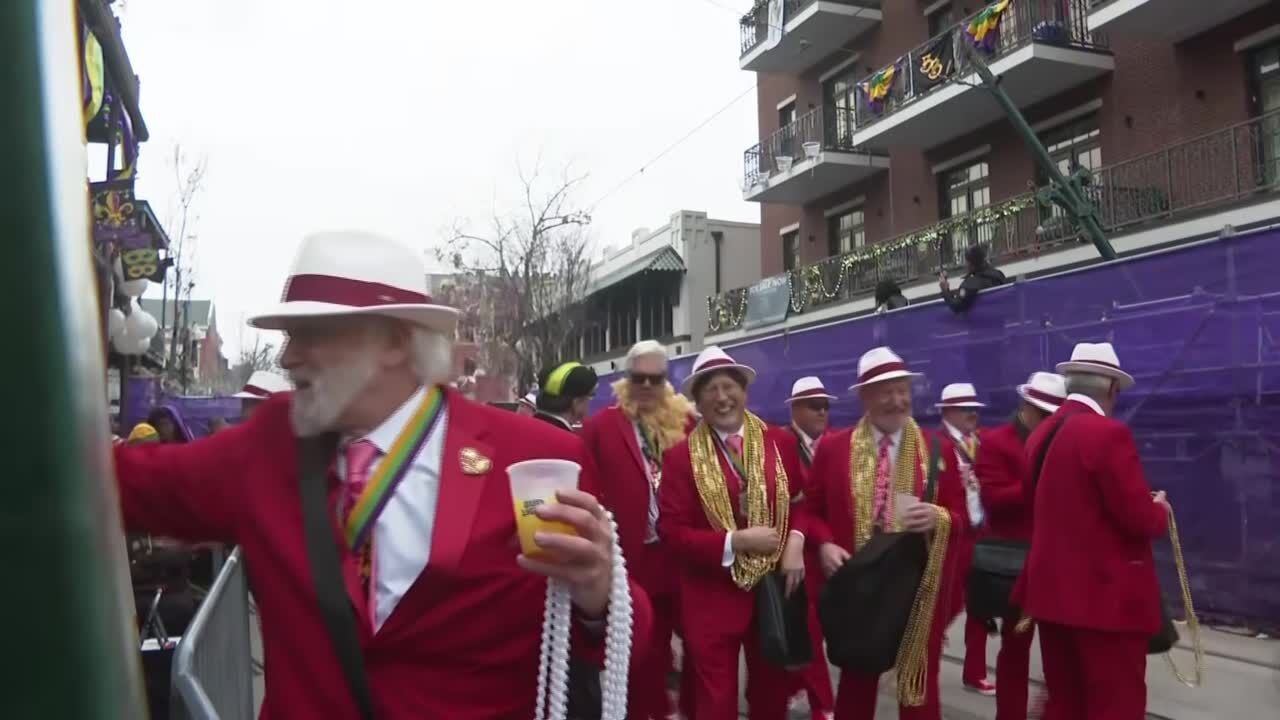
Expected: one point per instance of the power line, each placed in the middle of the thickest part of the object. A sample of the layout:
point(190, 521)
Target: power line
point(673, 145)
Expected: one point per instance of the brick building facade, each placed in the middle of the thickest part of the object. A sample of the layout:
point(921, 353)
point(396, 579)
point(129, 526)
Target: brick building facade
point(1153, 86)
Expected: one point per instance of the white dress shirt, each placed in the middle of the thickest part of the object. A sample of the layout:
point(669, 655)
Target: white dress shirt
point(972, 495)
point(1086, 400)
point(402, 532)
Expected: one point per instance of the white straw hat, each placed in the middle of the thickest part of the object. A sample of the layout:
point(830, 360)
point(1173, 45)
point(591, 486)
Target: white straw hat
point(357, 273)
point(262, 385)
point(1045, 390)
point(880, 364)
point(1096, 359)
point(713, 358)
point(961, 395)
point(808, 388)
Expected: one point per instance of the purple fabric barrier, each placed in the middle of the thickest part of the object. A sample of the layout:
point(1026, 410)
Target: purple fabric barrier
point(1199, 328)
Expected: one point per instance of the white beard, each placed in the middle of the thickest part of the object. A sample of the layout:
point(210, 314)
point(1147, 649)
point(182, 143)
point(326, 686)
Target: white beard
point(316, 409)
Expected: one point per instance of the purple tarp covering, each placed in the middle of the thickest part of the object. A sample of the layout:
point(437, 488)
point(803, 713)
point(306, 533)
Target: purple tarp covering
point(144, 395)
point(1198, 327)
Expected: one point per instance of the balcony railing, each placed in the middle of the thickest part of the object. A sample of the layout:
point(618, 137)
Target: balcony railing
point(754, 26)
point(1063, 23)
point(830, 127)
point(1226, 166)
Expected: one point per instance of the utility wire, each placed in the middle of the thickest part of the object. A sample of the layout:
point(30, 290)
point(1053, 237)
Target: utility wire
point(673, 146)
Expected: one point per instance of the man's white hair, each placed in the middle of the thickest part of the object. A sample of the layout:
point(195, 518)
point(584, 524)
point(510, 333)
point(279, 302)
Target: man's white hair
point(432, 358)
point(644, 348)
point(1089, 384)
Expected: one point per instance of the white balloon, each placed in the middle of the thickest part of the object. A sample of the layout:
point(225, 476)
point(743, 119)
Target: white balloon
point(141, 324)
point(142, 346)
point(134, 288)
point(115, 322)
point(124, 344)
point(118, 268)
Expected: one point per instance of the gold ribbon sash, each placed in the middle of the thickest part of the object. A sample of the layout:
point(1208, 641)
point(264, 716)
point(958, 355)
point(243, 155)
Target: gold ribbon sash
point(709, 479)
point(910, 473)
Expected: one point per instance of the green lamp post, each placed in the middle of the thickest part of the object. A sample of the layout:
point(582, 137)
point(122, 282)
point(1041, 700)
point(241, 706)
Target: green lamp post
point(71, 647)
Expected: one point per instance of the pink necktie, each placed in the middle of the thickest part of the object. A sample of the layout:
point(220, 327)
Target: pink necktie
point(735, 444)
point(881, 505)
point(361, 455)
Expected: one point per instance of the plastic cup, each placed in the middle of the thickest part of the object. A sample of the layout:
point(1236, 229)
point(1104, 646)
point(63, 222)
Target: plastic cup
point(535, 483)
point(902, 501)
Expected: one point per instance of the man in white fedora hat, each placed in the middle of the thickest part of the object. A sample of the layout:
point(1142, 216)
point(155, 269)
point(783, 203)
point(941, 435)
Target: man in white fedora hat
point(727, 520)
point(872, 479)
point(959, 406)
point(629, 437)
point(1090, 581)
point(810, 406)
point(262, 384)
point(375, 513)
point(1003, 469)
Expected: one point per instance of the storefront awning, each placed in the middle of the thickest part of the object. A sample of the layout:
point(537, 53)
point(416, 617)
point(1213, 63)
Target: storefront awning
point(664, 259)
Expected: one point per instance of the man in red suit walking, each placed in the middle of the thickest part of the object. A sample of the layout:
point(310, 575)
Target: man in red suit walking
point(629, 438)
point(727, 520)
point(858, 480)
point(959, 405)
point(433, 606)
point(810, 405)
point(1090, 581)
point(1002, 470)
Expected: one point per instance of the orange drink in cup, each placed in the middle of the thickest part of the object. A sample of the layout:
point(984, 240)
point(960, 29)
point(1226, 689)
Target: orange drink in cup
point(535, 483)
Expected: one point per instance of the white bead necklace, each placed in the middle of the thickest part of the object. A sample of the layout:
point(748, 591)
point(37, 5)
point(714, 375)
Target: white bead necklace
point(553, 665)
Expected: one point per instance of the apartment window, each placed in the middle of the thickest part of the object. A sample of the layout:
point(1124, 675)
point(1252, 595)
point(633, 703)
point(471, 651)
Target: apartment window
point(840, 98)
point(717, 249)
point(965, 189)
point(1075, 144)
point(941, 19)
point(1265, 68)
point(846, 232)
point(791, 250)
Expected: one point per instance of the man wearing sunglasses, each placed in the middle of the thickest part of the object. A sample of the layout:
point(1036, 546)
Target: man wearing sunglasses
point(810, 405)
point(629, 438)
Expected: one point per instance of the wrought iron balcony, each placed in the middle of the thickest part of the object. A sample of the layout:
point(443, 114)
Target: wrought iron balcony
point(808, 158)
point(1232, 165)
point(1039, 48)
point(809, 31)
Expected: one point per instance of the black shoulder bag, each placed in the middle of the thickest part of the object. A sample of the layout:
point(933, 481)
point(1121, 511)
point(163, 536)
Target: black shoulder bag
point(866, 604)
point(314, 455)
point(997, 562)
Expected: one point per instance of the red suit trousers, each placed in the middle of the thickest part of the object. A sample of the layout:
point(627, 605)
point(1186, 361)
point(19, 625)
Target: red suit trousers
point(713, 660)
point(815, 679)
point(1013, 670)
point(856, 696)
point(1094, 674)
point(647, 697)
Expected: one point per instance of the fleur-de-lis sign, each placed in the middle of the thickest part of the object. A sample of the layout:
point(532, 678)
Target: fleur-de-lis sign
point(111, 209)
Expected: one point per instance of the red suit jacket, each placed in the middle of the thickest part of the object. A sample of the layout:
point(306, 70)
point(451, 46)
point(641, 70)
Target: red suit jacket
point(1002, 470)
point(831, 510)
point(707, 590)
point(463, 641)
point(1090, 563)
point(611, 439)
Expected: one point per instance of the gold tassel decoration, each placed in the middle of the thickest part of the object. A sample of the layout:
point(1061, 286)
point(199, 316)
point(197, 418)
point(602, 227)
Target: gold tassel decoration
point(1193, 622)
point(913, 654)
point(748, 569)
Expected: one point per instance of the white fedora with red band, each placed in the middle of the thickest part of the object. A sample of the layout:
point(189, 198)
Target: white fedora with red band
point(880, 364)
point(712, 358)
point(262, 385)
point(959, 395)
point(356, 273)
point(1096, 359)
point(809, 388)
point(1045, 390)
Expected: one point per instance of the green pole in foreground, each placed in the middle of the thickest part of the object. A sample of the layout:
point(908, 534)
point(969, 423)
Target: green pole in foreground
point(70, 648)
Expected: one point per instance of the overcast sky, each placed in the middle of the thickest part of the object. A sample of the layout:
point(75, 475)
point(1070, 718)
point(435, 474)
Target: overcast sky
point(401, 116)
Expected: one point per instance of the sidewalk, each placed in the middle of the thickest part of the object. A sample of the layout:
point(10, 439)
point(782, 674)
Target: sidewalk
point(1241, 677)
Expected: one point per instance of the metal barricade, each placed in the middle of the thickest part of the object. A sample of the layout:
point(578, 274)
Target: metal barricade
point(212, 667)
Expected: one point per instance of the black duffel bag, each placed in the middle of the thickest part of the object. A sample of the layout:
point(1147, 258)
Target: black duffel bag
point(866, 604)
point(997, 563)
point(783, 623)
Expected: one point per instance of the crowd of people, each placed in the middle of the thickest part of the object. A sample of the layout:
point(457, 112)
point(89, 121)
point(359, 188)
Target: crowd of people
point(374, 513)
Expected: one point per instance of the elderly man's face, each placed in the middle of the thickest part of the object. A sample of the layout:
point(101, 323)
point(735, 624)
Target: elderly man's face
point(647, 378)
point(811, 415)
point(963, 419)
point(331, 360)
point(722, 400)
point(887, 403)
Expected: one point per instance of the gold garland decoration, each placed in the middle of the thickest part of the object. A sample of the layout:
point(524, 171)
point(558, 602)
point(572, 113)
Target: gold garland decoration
point(913, 653)
point(720, 311)
point(748, 568)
